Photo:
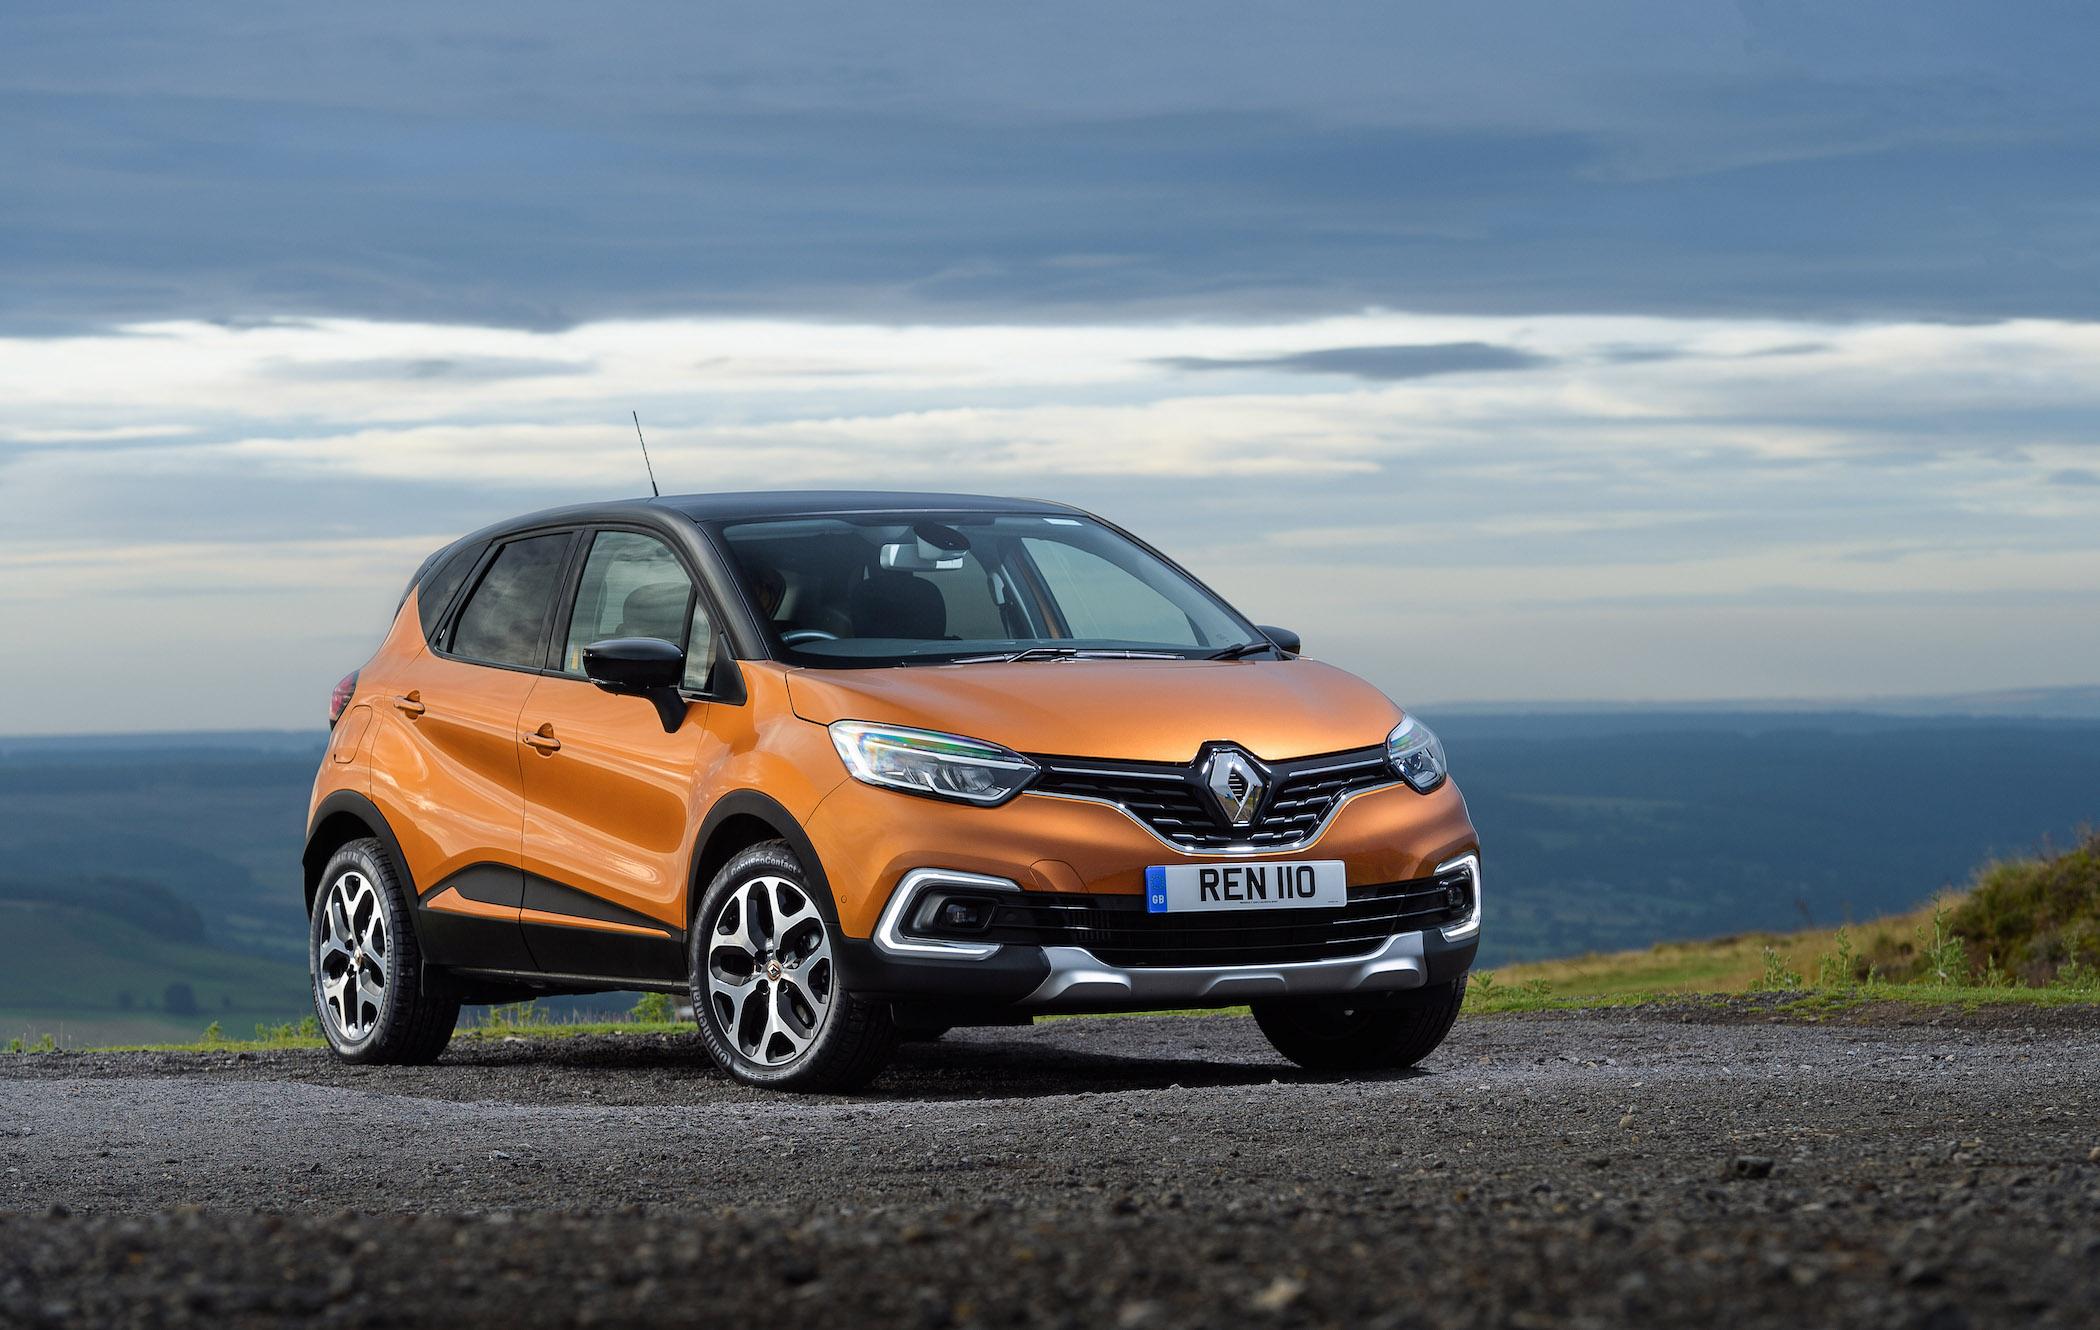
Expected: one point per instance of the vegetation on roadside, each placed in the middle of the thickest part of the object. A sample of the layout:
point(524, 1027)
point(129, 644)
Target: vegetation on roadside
point(653, 1013)
point(2025, 930)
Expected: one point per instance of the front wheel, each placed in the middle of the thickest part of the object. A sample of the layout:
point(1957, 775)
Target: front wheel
point(375, 1000)
point(772, 1008)
point(1339, 1034)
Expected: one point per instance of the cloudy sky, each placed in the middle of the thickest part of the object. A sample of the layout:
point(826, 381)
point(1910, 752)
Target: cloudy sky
point(1545, 351)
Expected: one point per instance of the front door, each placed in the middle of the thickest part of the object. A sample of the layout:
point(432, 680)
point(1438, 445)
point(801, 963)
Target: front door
point(445, 757)
point(609, 794)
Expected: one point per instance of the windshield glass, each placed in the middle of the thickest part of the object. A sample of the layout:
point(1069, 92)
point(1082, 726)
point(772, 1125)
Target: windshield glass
point(895, 588)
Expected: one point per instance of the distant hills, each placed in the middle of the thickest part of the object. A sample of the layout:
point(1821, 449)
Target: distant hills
point(2075, 702)
point(132, 863)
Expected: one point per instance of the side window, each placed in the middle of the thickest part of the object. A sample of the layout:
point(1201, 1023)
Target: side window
point(633, 586)
point(505, 620)
point(1103, 602)
point(435, 589)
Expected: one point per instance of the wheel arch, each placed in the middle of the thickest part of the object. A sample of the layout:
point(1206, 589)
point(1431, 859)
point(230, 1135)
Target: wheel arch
point(735, 823)
point(342, 817)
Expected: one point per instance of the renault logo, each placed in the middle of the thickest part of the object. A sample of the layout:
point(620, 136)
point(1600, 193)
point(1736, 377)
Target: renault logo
point(1236, 783)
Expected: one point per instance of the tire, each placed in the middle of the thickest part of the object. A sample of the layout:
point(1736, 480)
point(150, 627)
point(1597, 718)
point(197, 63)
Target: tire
point(1330, 1034)
point(767, 995)
point(360, 938)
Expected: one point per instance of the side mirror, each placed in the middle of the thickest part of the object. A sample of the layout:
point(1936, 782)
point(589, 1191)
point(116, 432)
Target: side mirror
point(1286, 641)
point(645, 666)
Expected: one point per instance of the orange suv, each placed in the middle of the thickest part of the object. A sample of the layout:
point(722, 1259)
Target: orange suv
point(847, 768)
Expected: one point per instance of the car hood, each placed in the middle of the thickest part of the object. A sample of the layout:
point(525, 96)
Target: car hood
point(1136, 710)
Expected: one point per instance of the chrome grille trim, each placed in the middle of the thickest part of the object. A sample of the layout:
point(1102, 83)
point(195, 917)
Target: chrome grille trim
point(1172, 805)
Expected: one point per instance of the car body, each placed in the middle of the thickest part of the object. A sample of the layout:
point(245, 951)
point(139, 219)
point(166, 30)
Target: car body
point(580, 718)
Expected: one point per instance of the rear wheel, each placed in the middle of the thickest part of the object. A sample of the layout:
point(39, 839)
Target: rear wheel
point(767, 993)
point(1341, 1034)
point(374, 999)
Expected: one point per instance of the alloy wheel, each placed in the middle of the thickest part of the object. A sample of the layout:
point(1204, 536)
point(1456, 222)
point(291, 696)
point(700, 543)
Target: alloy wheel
point(769, 971)
point(356, 960)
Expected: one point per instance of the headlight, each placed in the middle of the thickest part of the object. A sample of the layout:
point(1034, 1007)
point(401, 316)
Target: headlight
point(1416, 754)
point(946, 766)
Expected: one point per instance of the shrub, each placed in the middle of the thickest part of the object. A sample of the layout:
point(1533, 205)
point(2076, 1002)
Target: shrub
point(2032, 918)
point(1779, 977)
point(654, 1008)
point(1840, 970)
point(1945, 955)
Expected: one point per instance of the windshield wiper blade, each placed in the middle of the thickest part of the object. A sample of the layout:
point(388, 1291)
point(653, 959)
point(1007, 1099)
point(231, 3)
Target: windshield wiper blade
point(1063, 653)
point(1239, 649)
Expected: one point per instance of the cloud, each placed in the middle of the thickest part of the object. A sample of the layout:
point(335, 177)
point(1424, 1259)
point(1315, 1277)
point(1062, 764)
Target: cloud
point(464, 369)
point(1709, 518)
point(1377, 363)
point(535, 165)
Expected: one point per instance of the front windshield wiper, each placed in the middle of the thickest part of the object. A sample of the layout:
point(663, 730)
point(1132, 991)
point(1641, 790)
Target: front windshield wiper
point(1063, 653)
point(1239, 649)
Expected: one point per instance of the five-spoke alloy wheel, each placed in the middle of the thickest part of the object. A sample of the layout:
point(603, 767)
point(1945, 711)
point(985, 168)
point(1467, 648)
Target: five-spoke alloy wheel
point(768, 995)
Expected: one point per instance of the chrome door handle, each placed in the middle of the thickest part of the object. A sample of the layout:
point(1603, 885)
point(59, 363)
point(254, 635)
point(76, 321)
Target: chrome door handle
point(411, 704)
point(544, 740)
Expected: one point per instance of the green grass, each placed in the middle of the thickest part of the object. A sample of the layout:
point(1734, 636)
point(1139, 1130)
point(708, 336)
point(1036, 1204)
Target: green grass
point(468, 1033)
point(95, 977)
point(652, 1015)
point(2026, 933)
point(1805, 1002)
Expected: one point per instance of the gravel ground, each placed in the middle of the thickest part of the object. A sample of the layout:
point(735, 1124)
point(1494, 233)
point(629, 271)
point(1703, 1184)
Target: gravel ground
point(1650, 1166)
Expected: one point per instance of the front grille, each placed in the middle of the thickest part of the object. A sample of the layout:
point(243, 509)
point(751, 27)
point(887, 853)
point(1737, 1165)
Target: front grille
point(1171, 799)
point(1119, 931)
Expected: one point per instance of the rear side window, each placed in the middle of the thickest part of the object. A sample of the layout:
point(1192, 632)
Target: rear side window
point(440, 582)
point(504, 621)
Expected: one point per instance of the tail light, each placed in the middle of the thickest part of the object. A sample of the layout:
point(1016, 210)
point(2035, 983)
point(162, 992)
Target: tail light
point(340, 698)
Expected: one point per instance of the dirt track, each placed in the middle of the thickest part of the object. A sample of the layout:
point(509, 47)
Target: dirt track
point(1660, 1166)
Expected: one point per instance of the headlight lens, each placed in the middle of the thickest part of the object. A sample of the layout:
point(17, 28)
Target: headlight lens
point(1417, 754)
point(946, 766)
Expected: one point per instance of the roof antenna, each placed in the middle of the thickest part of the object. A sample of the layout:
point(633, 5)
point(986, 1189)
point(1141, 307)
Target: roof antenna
point(653, 491)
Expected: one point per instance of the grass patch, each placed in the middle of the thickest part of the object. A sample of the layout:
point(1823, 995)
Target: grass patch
point(2026, 932)
point(655, 1013)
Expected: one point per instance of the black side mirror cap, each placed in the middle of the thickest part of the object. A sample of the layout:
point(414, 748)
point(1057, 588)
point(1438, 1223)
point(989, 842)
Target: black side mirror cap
point(634, 664)
point(643, 666)
point(1286, 641)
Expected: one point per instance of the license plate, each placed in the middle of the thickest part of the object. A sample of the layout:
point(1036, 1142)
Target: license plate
point(1314, 884)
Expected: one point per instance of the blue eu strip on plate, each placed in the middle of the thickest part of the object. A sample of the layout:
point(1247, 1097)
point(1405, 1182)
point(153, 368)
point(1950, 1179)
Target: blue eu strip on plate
point(1156, 890)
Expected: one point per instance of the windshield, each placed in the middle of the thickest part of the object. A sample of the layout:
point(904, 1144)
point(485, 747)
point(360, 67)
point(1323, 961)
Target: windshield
point(908, 588)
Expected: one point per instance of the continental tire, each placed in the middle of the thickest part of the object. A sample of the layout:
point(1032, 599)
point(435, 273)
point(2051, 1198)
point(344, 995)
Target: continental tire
point(767, 994)
point(375, 1002)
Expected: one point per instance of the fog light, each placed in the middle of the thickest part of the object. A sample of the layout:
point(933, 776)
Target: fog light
point(962, 914)
point(1463, 883)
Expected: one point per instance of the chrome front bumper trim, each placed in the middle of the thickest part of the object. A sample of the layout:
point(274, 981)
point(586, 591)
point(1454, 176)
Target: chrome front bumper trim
point(1077, 976)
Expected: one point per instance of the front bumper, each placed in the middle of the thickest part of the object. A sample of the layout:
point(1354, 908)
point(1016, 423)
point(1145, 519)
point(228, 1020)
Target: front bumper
point(1013, 980)
point(1023, 981)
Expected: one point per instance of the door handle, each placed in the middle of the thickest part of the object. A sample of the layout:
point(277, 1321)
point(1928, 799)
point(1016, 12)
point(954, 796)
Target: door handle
point(543, 739)
point(412, 704)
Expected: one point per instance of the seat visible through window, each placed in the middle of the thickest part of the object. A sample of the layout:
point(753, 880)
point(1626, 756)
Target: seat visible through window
point(898, 605)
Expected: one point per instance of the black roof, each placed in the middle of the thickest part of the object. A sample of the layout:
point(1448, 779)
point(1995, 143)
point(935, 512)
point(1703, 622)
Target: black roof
point(766, 503)
point(815, 503)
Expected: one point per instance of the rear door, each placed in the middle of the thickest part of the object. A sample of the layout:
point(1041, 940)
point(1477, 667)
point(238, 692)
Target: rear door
point(447, 754)
point(609, 795)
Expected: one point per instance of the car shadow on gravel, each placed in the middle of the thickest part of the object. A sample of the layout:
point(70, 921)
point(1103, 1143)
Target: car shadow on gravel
point(1063, 1058)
